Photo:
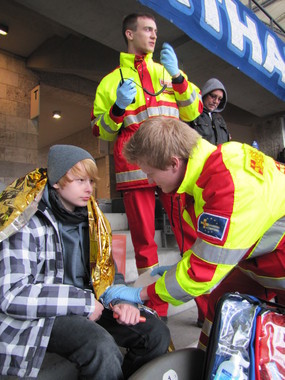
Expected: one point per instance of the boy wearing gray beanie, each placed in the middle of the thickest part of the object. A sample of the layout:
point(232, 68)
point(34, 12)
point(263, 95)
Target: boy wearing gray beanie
point(60, 290)
point(61, 158)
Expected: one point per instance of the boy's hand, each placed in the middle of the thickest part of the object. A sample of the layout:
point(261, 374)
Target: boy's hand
point(97, 312)
point(127, 314)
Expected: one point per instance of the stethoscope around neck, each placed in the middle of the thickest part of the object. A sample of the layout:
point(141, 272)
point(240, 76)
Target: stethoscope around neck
point(144, 89)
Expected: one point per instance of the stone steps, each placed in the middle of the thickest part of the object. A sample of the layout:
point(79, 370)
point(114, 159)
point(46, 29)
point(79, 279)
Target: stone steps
point(166, 255)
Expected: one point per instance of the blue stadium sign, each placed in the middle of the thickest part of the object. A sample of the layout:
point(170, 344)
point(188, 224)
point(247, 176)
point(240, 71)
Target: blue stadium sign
point(232, 31)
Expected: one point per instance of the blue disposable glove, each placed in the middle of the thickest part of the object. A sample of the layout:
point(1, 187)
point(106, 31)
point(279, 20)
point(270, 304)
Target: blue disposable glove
point(121, 292)
point(126, 93)
point(168, 59)
point(160, 270)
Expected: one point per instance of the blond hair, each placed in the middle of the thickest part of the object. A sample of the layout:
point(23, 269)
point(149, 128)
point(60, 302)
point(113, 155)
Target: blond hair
point(159, 139)
point(85, 168)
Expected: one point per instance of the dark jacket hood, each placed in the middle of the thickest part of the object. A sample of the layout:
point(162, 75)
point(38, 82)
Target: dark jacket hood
point(214, 84)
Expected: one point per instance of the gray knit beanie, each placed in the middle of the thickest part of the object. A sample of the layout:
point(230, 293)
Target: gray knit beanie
point(61, 158)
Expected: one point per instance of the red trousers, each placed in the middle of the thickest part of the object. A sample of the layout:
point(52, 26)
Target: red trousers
point(140, 210)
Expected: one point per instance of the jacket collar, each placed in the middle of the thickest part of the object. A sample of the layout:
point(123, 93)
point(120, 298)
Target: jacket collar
point(128, 60)
point(195, 166)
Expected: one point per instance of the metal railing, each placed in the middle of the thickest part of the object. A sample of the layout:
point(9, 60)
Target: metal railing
point(272, 21)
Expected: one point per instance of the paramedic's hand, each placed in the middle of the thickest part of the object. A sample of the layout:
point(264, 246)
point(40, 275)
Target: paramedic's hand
point(160, 270)
point(127, 314)
point(169, 60)
point(121, 292)
point(126, 93)
point(97, 312)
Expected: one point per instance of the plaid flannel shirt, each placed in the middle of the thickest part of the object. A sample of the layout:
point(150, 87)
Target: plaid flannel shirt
point(32, 294)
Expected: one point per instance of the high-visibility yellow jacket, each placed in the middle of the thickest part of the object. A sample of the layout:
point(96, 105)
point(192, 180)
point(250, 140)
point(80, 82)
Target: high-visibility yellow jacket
point(180, 100)
point(239, 214)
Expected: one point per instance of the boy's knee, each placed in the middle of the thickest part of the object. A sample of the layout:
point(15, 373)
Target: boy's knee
point(102, 358)
point(106, 347)
point(160, 337)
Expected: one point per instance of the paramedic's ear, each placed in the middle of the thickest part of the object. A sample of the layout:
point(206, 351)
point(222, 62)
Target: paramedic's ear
point(175, 162)
point(129, 34)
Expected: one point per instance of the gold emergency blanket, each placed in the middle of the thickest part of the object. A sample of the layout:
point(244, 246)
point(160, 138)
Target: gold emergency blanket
point(19, 202)
point(101, 260)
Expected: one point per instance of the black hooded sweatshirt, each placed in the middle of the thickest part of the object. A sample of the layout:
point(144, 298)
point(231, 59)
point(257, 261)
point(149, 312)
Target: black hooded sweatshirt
point(211, 125)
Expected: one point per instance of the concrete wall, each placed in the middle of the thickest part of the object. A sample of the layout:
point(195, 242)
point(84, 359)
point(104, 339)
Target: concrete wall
point(18, 134)
point(270, 134)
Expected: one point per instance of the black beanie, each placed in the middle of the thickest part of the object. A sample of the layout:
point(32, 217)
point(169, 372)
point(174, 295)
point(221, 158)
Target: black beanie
point(61, 158)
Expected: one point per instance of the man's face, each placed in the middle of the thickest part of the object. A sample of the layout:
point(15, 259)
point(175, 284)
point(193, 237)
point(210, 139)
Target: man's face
point(212, 100)
point(142, 40)
point(75, 193)
point(168, 180)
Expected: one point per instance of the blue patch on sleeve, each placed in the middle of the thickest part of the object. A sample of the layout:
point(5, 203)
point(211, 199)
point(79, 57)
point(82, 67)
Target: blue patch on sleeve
point(212, 225)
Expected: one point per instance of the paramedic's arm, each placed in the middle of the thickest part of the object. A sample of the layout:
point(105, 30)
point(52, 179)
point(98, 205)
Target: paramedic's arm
point(143, 294)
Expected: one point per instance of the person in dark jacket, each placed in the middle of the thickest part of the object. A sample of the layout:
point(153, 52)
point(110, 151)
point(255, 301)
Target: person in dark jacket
point(57, 272)
point(210, 124)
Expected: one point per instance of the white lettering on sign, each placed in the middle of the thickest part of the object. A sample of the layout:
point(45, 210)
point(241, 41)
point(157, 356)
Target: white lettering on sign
point(273, 60)
point(264, 55)
point(185, 2)
point(241, 32)
point(183, 6)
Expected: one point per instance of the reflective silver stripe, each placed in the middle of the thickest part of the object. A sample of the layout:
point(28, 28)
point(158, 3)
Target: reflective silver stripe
point(93, 122)
point(267, 282)
point(270, 239)
point(217, 255)
point(152, 111)
point(183, 103)
point(201, 346)
point(173, 288)
point(208, 252)
point(135, 119)
point(134, 175)
point(104, 125)
point(207, 326)
point(206, 330)
point(187, 102)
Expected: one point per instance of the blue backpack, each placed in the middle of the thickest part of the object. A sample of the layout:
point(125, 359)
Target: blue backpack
point(247, 340)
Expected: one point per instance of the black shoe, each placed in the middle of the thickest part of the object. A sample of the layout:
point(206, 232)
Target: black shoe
point(199, 323)
point(164, 319)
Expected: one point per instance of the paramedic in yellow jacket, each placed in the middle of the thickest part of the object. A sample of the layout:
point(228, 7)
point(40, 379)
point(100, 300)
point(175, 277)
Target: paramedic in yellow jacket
point(238, 213)
point(136, 90)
